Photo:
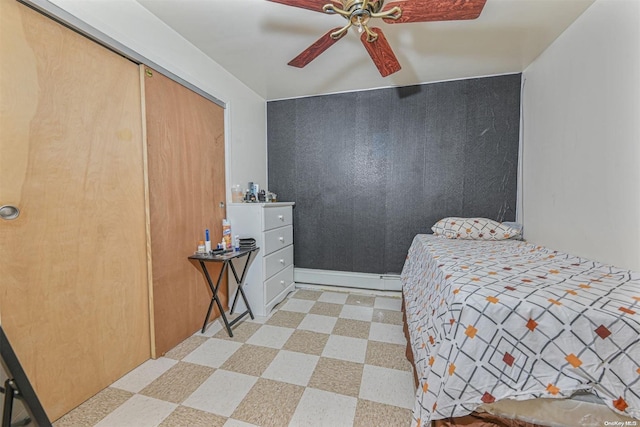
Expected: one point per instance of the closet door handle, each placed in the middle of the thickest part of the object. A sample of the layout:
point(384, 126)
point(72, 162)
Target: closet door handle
point(8, 212)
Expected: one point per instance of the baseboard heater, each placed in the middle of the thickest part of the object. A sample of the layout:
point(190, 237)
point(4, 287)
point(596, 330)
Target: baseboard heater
point(379, 282)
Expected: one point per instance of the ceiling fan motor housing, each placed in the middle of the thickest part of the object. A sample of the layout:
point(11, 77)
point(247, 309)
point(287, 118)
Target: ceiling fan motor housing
point(372, 6)
point(358, 13)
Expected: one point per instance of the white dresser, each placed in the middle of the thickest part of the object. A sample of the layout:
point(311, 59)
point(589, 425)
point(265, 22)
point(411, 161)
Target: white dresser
point(270, 275)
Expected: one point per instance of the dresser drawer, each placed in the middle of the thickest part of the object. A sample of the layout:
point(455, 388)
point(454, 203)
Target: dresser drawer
point(278, 283)
point(277, 239)
point(277, 217)
point(277, 261)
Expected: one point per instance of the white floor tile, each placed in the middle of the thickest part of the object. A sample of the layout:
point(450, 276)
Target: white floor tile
point(357, 312)
point(237, 423)
point(213, 352)
point(334, 297)
point(139, 411)
point(258, 319)
point(388, 303)
point(387, 333)
point(291, 367)
point(221, 393)
point(346, 348)
point(319, 408)
point(297, 305)
point(318, 323)
point(211, 329)
point(144, 374)
point(388, 386)
point(270, 336)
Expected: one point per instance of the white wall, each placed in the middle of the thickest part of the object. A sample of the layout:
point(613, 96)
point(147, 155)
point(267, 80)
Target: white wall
point(581, 138)
point(127, 22)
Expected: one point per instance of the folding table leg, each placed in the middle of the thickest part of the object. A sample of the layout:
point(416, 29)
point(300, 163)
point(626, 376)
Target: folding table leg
point(214, 291)
point(240, 282)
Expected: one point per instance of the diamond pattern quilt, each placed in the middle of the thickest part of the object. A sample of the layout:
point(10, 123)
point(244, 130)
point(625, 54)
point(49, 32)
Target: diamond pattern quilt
point(490, 320)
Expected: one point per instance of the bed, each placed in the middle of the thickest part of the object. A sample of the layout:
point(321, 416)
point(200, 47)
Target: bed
point(506, 327)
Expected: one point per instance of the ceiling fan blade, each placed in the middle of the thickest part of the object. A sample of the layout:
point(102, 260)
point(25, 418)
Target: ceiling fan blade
point(435, 10)
point(381, 53)
point(313, 51)
point(315, 5)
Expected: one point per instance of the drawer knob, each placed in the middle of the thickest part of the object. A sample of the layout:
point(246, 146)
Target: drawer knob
point(281, 217)
point(281, 239)
point(282, 261)
point(282, 282)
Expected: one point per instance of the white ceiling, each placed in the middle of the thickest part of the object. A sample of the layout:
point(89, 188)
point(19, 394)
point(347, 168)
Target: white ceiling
point(255, 39)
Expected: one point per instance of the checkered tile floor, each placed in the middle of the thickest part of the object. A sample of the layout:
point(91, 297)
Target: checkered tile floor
point(322, 358)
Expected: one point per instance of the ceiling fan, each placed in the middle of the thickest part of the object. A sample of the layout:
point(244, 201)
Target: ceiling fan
point(359, 13)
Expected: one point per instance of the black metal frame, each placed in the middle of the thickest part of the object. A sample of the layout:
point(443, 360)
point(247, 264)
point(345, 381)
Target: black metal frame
point(17, 386)
point(226, 260)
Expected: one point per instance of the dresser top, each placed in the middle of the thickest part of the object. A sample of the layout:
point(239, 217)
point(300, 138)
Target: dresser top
point(265, 205)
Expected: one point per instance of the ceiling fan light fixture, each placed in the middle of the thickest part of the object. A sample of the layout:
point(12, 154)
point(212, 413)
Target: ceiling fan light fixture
point(359, 19)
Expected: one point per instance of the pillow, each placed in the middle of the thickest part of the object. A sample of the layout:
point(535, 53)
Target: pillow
point(518, 227)
point(474, 229)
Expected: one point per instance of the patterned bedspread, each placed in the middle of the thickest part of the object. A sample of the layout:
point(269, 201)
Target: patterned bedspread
point(491, 320)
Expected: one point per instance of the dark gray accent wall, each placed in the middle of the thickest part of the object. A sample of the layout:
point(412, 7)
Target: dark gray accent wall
point(370, 170)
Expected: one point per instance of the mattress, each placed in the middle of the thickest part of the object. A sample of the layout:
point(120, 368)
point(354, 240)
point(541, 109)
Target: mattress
point(497, 321)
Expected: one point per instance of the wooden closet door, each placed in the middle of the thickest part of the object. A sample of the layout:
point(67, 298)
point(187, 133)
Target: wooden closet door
point(73, 271)
point(186, 175)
